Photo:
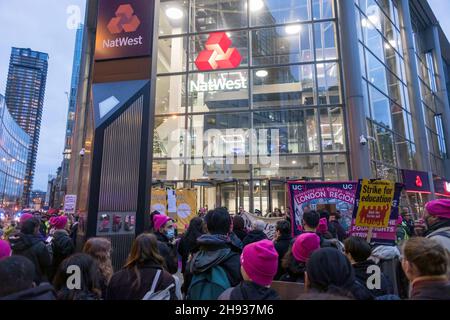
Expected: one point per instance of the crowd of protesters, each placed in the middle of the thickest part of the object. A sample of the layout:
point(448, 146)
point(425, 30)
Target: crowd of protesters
point(217, 258)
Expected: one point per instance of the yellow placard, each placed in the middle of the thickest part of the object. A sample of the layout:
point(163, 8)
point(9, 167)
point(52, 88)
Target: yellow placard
point(186, 207)
point(159, 200)
point(375, 203)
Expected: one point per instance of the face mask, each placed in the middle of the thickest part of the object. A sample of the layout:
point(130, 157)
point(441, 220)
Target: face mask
point(170, 233)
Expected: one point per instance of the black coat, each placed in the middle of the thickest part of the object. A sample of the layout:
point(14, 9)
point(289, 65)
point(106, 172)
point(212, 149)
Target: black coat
point(35, 249)
point(337, 230)
point(120, 286)
point(43, 292)
point(362, 276)
point(185, 248)
point(168, 251)
point(254, 236)
point(241, 234)
point(282, 246)
point(62, 247)
point(214, 250)
point(248, 290)
point(438, 289)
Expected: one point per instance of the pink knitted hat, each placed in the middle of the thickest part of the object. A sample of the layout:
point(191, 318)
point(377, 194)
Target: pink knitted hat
point(304, 245)
point(439, 208)
point(159, 220)
point(260, 262)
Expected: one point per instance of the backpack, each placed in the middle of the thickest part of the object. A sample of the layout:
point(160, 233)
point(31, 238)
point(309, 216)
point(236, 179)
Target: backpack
point(159, 295)
point(208, 285)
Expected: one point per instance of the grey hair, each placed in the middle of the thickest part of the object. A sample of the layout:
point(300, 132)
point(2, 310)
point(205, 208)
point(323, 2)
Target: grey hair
point(259, 225)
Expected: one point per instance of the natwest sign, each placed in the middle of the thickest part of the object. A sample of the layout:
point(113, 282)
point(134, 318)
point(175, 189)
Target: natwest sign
point(416, 181)
point(218, 53)
point(124, 29)
point(225, 82)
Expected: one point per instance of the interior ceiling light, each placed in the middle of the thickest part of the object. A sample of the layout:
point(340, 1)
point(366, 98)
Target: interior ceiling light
point(174, 13)
point(261, 73)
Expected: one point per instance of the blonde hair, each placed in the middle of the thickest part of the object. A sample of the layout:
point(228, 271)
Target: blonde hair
point(100, 249)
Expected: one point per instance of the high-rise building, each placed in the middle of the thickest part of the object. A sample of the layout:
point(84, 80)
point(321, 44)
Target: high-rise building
point(25, 91)
point(71, 112)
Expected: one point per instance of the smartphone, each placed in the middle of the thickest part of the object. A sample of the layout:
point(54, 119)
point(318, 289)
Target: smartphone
point(49, 239)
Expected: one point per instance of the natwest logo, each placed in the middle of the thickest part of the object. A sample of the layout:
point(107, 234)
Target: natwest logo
point(125, 20)
point(218, 54)
point(419, 182)
point(447, 186)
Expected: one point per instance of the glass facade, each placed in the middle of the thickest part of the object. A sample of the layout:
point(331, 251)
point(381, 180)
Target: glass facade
point(13, 158)
point(389, 119)
point(25, 91)
point(277, 114)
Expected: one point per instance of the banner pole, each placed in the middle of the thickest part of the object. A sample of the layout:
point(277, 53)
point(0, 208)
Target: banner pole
point(369, 234)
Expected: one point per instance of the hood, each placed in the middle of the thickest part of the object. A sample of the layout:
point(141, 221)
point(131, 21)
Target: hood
point(434, 232)
point(384, 253)
point(213, 250)
point(248, 290)
point(43, 292)
point(22, 242)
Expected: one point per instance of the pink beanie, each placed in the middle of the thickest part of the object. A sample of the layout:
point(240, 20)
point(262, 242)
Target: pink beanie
point(439, 208)
point(159, 220)
point(399, 219)
point(304, 245)
point(260, 262)
point(59, 222)
point(24, 217)
point(5, 249)
point(323, 226)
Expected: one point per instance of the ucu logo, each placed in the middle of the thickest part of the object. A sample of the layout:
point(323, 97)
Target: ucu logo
point(218, 54)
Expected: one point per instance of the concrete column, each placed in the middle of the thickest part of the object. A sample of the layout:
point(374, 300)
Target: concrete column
point(422, 156)
point(354, 94)
point(442, 94)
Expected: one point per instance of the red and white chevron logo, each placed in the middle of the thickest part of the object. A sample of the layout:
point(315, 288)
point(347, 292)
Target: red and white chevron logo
point(218, 54)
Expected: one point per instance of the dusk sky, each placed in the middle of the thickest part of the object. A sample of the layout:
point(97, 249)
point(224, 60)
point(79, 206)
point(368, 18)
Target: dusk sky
point(42, 25)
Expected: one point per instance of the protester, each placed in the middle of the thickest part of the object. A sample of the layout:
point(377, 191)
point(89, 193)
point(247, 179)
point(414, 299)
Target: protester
point(258, 268)
point(329, 271)
point(358, 252)
point(239, 227)
point(137, 276)
point(294, 262)
point(426, 263)
point(74, 230)
point(152, 219)
point(29, 244)
point(165, 233)
point(322, 229)
point(216, 266)
point(256, 234)
point(17, 281)
point(437, 220)
point(282, 243)
point(100, 250)
point(5, 249)
point(335, 227)
point(311, 220)
point(188, 243)
point(62, 245)
point(89, 280)
point(402, 231)
point(408, 220)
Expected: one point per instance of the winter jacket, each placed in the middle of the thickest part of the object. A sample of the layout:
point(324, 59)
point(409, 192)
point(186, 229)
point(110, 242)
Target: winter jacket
point(236, 242)
point(337, 230)
point(430, 288)
point(32, 247)
point(62, 247)
point(214, 250)
point(298, 276)
point(254, 236)
point(120, 286)
point(361, 274)
point(241, 234)
point(43, 292)
point(441, 235)
point(185, 248)
point(282, 246)
point(248, 290)
point(168, 251)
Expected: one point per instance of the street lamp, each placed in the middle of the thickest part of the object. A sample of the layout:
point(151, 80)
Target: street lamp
point(8, 162)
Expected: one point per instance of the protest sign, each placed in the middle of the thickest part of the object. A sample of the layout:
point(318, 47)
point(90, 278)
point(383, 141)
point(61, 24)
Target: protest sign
point(158, 200)
point(70, 202)
point(270, 223)
point(330, 196)
point(186, 207)
point(373, 203)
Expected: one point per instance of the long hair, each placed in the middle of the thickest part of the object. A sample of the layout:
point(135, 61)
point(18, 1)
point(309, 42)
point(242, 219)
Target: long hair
point(292, 266)
point(194, 231)
point(145, 248)
point(89, 280)
point(100, 249)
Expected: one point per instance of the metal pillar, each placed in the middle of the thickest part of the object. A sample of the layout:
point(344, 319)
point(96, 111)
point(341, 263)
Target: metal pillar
point(422, 155)
point(354, 94)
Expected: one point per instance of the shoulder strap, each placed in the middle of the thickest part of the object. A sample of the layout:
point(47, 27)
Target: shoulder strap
point(445, 234)
point(155, 281)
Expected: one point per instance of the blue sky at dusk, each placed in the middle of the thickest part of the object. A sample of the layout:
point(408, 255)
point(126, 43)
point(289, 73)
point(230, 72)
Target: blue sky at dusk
point(42, 25)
